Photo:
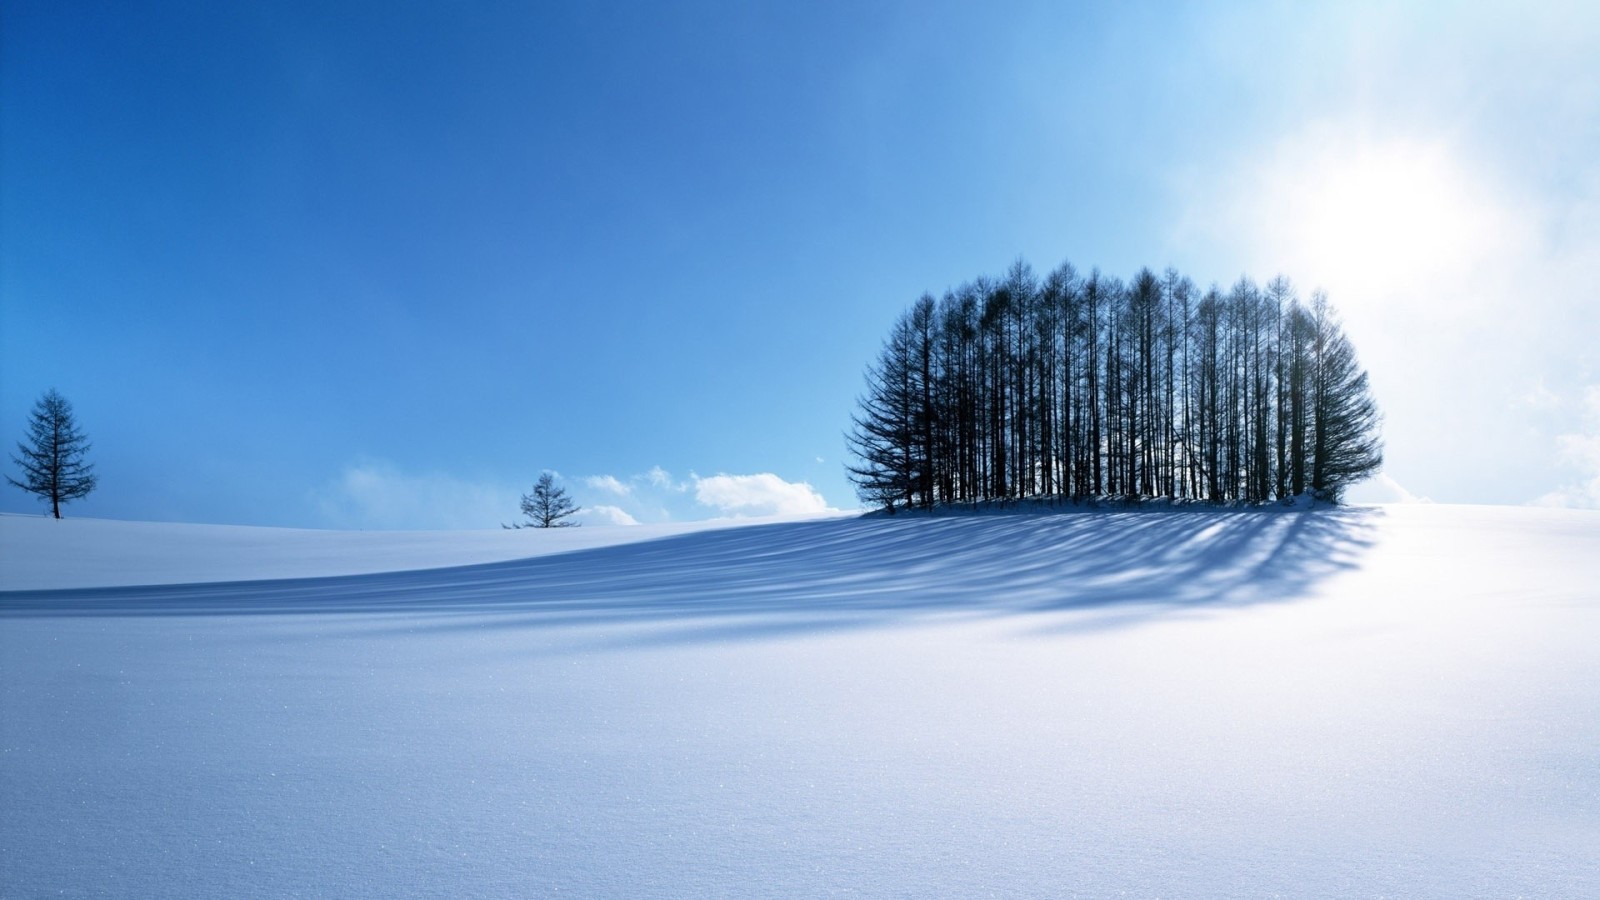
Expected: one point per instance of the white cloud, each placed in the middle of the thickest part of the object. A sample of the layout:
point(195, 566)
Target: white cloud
point(605, 515)
point(377, 494)
point(1581, 452)
point(762, 494)
point(651, 496)
point(660, 478)
point(657, 496)
point(1540, 397)
point(609, 484)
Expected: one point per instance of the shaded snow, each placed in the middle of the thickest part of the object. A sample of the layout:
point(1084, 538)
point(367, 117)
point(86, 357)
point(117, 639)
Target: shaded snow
point(39, 553)
point(1367, 702)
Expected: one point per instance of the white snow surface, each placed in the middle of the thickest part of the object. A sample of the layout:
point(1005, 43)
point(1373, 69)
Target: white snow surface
point(1395, 701)
point(40, 553)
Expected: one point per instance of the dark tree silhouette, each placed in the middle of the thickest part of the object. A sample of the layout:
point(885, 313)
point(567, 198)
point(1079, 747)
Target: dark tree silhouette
point(1347, 447)
point(885, 434)
point(1086, 386)
point(52, 459)
point(548, 506)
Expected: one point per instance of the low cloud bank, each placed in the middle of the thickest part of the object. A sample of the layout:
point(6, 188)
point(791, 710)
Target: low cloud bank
point(656, 495)
point(378, 495)
point(608, 484)
point(1580, 451)
point(605, 515)
point(763, 494)
point(375, 494)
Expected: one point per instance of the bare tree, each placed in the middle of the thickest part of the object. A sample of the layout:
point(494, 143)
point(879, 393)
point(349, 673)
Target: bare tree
point(548, 506)
point(52, 459)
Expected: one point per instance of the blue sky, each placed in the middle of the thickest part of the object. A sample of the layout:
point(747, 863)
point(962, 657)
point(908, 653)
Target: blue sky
point(378, 265)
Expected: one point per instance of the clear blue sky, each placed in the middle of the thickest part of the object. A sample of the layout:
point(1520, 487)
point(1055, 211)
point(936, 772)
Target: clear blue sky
point(378, 265)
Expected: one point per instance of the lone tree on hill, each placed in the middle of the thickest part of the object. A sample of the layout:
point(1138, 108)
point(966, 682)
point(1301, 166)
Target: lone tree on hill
point(52, 458)
point(548, 506)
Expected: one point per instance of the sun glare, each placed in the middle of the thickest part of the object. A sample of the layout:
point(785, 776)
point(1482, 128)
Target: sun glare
point(1380, 220)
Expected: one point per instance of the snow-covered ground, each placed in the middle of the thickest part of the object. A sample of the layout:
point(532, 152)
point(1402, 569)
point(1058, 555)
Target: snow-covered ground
point(38, 553)
point(1399, 701)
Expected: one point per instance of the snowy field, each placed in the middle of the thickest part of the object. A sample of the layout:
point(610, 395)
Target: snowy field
point(73, 553)
point(1398, 701)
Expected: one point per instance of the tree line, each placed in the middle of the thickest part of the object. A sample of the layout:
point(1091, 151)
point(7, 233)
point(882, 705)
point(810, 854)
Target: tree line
point(1086, 386)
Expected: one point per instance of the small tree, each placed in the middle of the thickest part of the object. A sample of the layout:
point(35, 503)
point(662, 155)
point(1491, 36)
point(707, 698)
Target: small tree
point(548, 506)
point(52, 458)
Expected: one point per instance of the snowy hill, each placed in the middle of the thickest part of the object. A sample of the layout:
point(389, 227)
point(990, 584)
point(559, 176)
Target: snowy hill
point(1379, 701)
point(40, 553)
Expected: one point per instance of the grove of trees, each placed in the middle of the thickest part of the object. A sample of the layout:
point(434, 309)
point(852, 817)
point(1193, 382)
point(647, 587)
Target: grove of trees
point(52, 458)
point(1080, 386)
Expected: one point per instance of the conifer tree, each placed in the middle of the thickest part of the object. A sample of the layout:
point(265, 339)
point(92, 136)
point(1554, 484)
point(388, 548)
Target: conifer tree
point(886, 434)
point(52, 459)
point(548, 506)
point(1068, 386)
point(1347, 446)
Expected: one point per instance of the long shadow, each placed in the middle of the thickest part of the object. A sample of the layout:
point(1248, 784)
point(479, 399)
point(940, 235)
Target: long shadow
point(813, 575)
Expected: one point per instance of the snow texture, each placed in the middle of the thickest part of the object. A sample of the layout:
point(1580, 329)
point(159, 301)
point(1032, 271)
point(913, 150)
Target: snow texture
point(39, 553)
point(1367, 702)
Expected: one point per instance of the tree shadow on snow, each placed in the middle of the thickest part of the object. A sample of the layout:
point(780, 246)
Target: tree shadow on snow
point(771, 580)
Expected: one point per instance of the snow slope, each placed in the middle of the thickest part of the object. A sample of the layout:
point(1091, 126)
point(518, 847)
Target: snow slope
point(1371, 702)
point(39, 553)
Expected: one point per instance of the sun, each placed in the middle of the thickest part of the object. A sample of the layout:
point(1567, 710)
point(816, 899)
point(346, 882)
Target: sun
point(1376, 218)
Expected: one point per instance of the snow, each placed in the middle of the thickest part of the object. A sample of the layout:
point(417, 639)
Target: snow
point(40, 553)
point(1363, 702)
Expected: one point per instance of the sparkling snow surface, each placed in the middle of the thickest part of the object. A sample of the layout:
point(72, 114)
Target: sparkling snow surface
point(1402, 701)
